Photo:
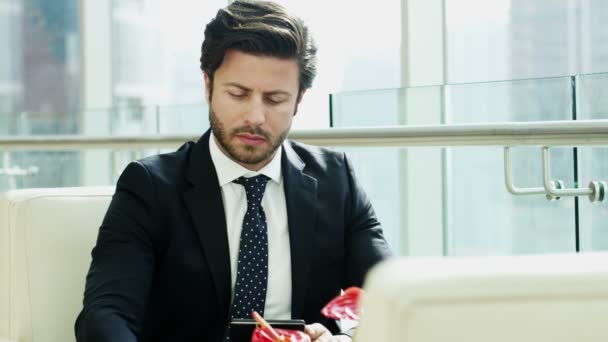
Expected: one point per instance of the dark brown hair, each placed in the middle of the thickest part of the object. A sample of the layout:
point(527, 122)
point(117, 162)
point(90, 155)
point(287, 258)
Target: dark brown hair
point(260, 28)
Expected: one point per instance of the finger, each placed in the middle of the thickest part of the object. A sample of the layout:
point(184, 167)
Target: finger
point(314, 330)
point(326, 337)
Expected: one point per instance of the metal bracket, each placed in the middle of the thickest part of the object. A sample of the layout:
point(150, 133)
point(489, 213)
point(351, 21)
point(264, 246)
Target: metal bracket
point(554, 191)
point(17, 171)
point(597, 191)
point(525, 191)
point(13, 172)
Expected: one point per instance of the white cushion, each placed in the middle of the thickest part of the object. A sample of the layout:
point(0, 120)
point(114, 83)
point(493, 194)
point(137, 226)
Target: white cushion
point(549, 298)
point(46, 237)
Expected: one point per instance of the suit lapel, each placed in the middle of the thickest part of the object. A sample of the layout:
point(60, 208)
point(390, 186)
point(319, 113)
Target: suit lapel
point(300, 195)
point(204, 203)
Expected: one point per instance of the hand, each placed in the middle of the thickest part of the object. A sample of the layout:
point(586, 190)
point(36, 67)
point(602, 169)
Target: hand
point(319, 333)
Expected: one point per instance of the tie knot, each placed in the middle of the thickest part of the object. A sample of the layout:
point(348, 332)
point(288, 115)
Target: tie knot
point(254, 187)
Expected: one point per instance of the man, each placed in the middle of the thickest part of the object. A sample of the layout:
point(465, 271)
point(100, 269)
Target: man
point(241, 220)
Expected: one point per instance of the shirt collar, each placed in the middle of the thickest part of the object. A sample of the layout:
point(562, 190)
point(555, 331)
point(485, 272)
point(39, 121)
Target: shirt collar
point(228, 170)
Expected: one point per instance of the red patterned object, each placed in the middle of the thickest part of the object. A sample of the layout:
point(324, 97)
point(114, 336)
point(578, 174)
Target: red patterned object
point(264, 332)
point(262, 335)
point(345, 306)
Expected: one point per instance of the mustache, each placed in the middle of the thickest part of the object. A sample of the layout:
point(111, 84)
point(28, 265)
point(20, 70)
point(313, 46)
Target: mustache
point(252, 130)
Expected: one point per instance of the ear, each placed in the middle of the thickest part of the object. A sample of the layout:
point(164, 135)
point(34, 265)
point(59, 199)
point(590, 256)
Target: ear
point(208, 86)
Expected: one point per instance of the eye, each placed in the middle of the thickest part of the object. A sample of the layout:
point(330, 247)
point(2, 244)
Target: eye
point(275, 101)
point(237, 95)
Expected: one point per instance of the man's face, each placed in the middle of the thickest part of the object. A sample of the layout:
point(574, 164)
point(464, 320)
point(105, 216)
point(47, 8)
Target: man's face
point(252, 102)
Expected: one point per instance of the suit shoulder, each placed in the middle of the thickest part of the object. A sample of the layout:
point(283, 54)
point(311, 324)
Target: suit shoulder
point(168, 166)
point(317, 157)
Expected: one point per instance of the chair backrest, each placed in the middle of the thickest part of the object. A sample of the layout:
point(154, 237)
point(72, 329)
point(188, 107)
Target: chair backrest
point(549, 298)
point(46, 237)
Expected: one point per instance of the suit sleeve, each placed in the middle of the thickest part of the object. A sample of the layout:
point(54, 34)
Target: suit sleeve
point(122, 267)
point(365, 244)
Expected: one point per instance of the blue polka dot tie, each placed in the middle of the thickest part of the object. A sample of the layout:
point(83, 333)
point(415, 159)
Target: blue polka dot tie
point(252, 269)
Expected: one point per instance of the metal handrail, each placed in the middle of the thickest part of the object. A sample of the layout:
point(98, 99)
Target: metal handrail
point(551, 133)
point(543, 133)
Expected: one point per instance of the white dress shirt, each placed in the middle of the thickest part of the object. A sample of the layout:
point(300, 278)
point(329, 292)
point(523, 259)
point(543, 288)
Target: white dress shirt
point(278, 291)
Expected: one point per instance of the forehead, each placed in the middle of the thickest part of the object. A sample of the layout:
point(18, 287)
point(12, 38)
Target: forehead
point(258, 72)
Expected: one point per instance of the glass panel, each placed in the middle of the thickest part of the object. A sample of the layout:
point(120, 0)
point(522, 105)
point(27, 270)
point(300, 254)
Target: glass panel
point(23, 169)
point(39, 88)
point(479, 216)
point(5, 115)
point(134, 118)
point(378, 170)
point(592, 97)
point(482, 216)
point(46, 169)
point(385, 107)
point(542, 99)
point(593, 166)
point(383, 172)
point(39, 169)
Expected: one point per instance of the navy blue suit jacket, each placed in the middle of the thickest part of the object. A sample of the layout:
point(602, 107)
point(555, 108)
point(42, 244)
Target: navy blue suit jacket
point(161, 267)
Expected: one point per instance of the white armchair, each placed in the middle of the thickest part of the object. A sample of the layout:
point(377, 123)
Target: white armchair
point(46, 237)
point(545, 298)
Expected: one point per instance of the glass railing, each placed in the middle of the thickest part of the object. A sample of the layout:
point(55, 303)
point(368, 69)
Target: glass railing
point(592, 162)
point(435, 172)
point(454, 192)
point(544, 99)
point(40, 167)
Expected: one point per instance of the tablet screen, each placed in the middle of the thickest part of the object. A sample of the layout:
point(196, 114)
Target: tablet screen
point(242, 329)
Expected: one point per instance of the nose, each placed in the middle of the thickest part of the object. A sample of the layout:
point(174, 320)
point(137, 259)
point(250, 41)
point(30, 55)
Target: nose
point(255, 113)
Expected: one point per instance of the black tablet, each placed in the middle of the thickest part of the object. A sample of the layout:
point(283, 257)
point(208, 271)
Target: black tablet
point(242, 329)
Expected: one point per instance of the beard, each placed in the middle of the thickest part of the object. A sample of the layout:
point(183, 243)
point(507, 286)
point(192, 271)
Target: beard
point(245, 154)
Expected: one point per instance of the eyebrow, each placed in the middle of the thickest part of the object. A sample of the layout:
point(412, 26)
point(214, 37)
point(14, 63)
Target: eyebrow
point(242, 87)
